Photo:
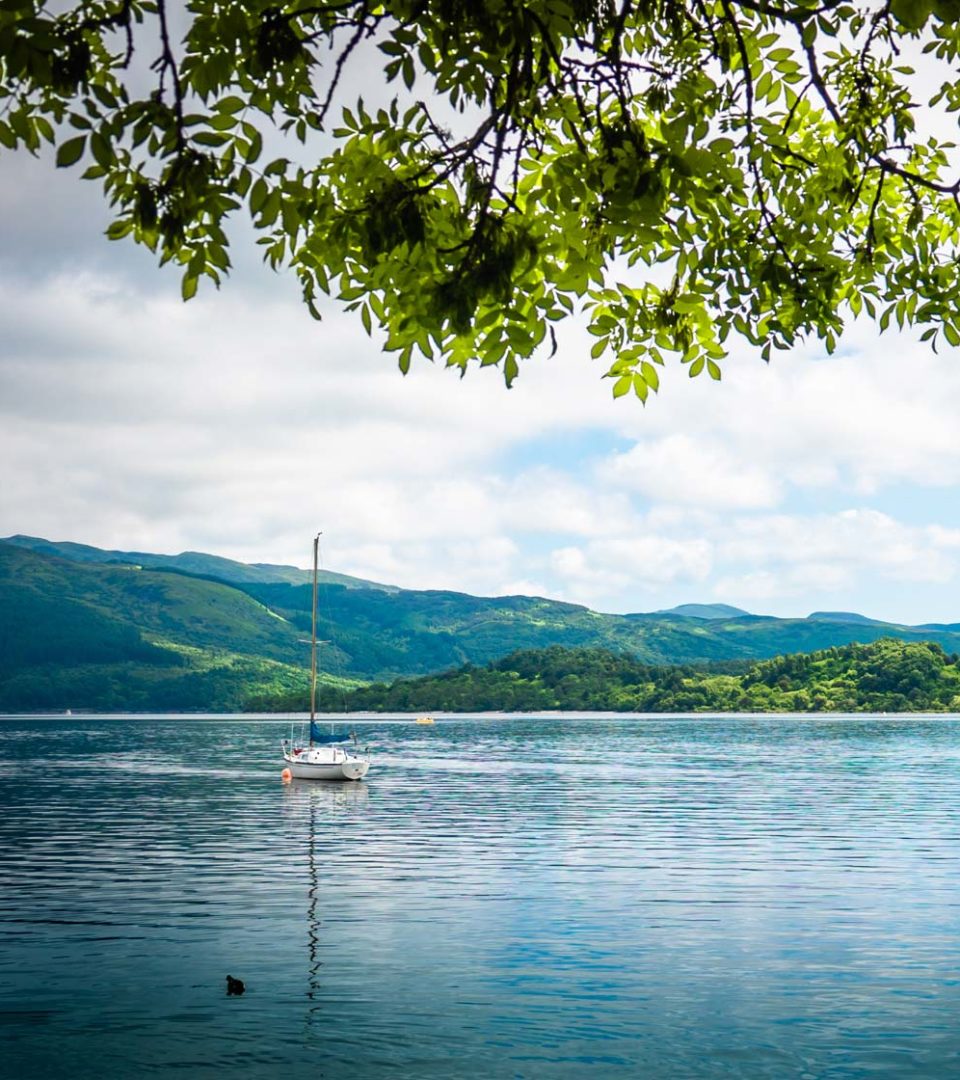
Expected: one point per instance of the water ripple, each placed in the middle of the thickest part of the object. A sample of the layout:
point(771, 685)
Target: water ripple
point(509, 897)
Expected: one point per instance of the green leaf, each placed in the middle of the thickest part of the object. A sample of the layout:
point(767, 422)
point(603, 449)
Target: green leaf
point(258, 195)
point(912, 14)
point(211, 138)
point(622, 385)
point(650, 375)
point(188, 286)
point(70, 152)
point(722, 146)
point(45, 128)
point(101, 150)
point(117, 230)
point(256, 148)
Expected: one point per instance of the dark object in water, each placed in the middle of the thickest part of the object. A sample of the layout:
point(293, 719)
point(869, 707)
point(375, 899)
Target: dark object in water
point(235, 987)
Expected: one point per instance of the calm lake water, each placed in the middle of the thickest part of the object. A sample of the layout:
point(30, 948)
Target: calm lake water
point(503, 897)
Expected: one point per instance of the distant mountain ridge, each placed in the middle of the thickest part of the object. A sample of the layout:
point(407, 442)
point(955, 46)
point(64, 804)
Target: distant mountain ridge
point(191, 562)
point(705, 611)
point(85, 628)
point(844, 617)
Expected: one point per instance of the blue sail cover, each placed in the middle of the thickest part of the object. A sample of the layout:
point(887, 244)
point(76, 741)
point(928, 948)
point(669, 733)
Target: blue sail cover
point(322, 737)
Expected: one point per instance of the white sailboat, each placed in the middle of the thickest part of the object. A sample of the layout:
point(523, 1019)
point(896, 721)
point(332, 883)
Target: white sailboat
point(321, 758)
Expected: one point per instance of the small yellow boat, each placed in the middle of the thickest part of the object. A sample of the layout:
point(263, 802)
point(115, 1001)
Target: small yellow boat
point(425, 720)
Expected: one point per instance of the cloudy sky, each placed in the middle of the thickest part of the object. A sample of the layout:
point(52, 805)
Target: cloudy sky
point(237, 425)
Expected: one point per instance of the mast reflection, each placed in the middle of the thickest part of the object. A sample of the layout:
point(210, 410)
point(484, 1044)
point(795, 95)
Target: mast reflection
point(321, 803)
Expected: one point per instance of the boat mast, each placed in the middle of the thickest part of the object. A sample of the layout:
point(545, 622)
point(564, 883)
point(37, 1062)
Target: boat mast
point(313, 640)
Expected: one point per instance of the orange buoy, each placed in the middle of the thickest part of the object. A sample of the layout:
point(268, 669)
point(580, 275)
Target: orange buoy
point(286, 776)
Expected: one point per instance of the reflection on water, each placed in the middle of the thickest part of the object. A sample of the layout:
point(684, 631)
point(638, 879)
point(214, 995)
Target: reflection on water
point(509, 897)
point(323, 800)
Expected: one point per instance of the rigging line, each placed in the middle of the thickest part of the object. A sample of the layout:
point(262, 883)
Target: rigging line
point(313, 640)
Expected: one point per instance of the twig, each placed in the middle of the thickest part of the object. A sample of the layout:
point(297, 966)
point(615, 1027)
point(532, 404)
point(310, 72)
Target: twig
point(168, 63)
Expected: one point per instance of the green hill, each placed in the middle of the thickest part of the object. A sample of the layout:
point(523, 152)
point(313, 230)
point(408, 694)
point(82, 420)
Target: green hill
point(884, 676)
point(76, 635)
point(190, 562)
point(84, 628)
point(706, 611)
point(842, 617)
point(382, 636)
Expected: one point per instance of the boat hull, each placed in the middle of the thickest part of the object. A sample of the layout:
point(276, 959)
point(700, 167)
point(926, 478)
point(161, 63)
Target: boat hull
point(342, 770)
point(324, 763)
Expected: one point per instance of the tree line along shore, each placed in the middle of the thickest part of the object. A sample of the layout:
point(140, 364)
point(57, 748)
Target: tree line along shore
point(883, 676)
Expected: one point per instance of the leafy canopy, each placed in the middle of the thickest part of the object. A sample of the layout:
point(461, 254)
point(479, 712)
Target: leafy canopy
point(680, 171)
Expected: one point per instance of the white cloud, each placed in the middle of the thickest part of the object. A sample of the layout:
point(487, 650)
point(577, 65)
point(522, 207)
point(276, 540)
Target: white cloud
point(691, 470)
point(798, 583)
point(541, 500)
point(882, 413)
point(858, 540)
point(523, 587)
point(236, 424)
point(755, 586)
point(607, 570)
point(215, 425)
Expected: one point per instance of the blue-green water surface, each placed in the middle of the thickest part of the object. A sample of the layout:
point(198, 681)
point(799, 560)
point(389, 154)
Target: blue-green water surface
point(503, 897)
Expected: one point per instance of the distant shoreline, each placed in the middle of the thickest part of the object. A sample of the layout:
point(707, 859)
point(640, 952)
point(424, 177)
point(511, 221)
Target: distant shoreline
point(410, 718)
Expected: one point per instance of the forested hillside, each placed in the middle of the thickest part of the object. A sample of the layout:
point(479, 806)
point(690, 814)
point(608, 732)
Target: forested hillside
point(378, 635)
point(885, 676)
point(82, 629)
point(117, 637)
